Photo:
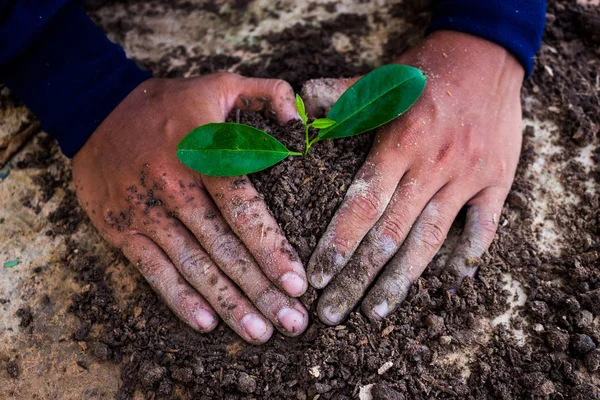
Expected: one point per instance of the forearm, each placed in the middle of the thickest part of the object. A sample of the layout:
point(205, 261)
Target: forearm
point(517, 25)
point(63, 67)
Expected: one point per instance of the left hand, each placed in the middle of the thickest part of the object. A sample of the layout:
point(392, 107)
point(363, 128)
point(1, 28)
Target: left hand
point(207, 245)
point(457, 146)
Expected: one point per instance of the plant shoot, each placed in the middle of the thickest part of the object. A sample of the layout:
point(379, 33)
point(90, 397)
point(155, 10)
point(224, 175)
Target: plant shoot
point(230, 149)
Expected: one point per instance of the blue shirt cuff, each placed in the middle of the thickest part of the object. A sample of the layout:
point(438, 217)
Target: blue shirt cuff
point(64, 68)
point(517, 25)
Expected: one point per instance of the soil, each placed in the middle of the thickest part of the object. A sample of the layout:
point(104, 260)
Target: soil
point(304, 52)
point(437, 345)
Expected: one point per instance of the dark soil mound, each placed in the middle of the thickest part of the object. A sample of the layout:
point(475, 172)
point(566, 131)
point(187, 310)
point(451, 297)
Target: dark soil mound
point(557, 359)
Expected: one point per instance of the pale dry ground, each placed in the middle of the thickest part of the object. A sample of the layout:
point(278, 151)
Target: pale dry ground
point(46, 355)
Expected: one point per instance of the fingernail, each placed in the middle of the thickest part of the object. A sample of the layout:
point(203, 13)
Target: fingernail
point(319, 281)
point(332, 318)
point(382, 309)
point(293, 284)
point(255, 326)
point(292, 320)
point(204, 319)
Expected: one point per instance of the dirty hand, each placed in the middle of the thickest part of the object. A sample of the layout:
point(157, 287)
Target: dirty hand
point(458, 146)
point(207, 245)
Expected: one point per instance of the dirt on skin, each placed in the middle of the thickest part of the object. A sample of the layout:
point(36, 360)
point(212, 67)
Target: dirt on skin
point(412, 354)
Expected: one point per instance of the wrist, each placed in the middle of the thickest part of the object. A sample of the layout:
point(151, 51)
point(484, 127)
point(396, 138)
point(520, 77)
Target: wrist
point(516, 25)
point(458, 55)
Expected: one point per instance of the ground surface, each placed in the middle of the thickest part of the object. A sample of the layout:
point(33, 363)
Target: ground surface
point(76, 320)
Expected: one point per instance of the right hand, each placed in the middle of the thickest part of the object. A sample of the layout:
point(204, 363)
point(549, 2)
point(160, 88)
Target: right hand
point(458, 146)
point(207, 245)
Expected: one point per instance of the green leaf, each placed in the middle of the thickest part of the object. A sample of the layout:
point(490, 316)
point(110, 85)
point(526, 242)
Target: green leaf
point(377, 98)
point(322, 123)
point(229, 149)
point(301, 109)
point(11, 263)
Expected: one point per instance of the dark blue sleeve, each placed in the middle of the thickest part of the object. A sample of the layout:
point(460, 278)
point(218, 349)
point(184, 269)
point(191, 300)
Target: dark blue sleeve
point(63, 67)
point(517, 25)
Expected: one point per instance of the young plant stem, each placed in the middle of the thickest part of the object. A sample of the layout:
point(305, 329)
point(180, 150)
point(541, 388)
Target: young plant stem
point(307, 126)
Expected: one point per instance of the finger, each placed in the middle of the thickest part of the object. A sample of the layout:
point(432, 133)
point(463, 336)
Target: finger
point(481, 224)
point(247, 214)
point(378, 247)
point(287, 314)
point(320, 95)
point(423, 242)
point(272, 96)
point(364, 203)
point(168, 283)
point(200, 271)
point(230, 254)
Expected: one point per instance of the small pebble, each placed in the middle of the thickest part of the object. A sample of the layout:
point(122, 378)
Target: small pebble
point(582, 344)
point(584, 319)
point(539, 308)
point(385, 367)
point(149, 374)
point(517, 200)
point(101, 351)
point(445, 340)
point(557, 340)
point(315, 371)
point(246, 383)
point(572, 305)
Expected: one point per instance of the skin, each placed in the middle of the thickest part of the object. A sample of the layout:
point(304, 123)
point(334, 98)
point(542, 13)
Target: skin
point(207, 245)
point(458, 146)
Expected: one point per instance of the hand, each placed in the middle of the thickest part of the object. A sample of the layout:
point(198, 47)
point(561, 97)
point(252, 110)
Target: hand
point(207, 245)
point(458, 146)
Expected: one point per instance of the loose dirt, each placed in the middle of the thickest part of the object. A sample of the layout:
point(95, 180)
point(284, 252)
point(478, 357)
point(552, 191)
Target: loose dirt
point(527, 326)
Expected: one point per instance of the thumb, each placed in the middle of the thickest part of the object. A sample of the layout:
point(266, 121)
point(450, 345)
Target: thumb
point(320, 95)
point(274, 97)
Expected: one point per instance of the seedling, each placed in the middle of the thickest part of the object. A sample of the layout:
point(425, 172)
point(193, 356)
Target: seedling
point(230, 149)
point(320, 123)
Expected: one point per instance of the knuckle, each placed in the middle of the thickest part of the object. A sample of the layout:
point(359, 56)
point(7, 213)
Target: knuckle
point(394, 227)
point(431, 233)
point(149, 268)
point(185, 298)
point(224, 75)
point(366, 206)
point(245, 212)
point(154, 177)
point(444, 153)
point(476, 161)
point(195, 260)
point(282, 88)
point(225, 245)
point(488, 227)
point(411, 129)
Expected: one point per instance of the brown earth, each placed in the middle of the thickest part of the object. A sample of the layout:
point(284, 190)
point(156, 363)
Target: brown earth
point(541, 273)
